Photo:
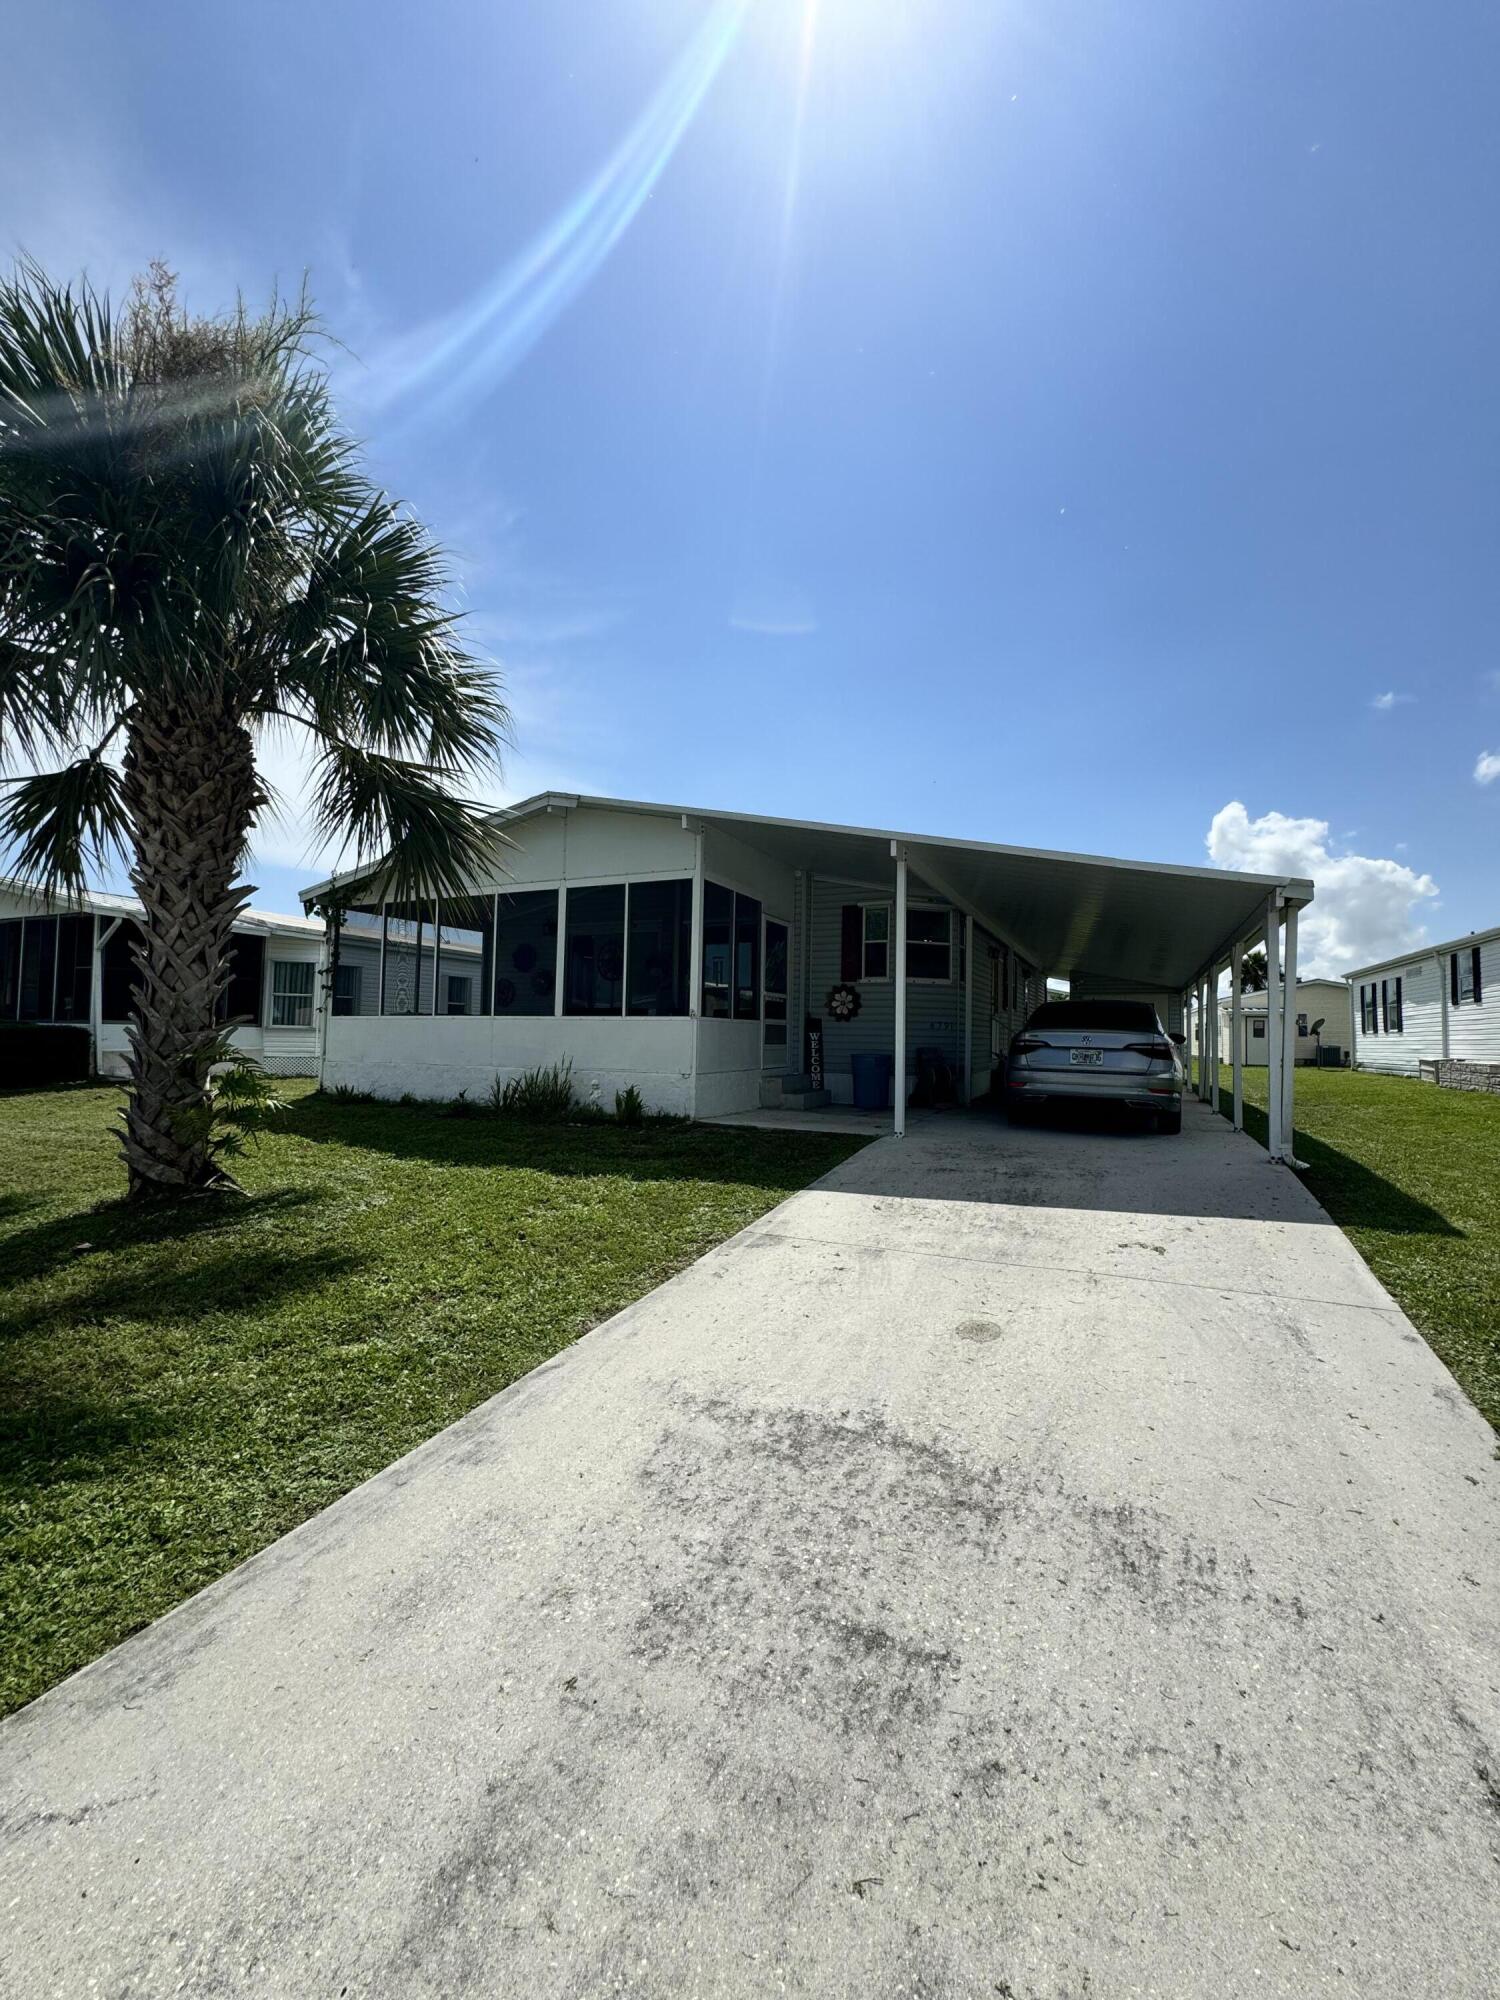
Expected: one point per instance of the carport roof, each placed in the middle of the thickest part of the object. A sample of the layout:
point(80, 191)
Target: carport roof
point(1148, 922)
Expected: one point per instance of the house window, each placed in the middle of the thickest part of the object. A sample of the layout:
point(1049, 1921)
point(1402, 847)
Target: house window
point(291, 992)
point(718, 944)
point(594, 960)
point(875, 947)
point(746, 958)
point(778, 939)
point(1465, 982)
point(457, 988)
point(348, 983)
point(1385, 1006)
point(731, 954)
point(526, 953)
point(1301, 1024)
point(1257, 1028)
point(659, 948)
point(997, 975)
point(929, 945)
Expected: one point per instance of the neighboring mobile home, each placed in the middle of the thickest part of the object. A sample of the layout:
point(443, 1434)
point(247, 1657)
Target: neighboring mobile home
point(712, 959)
point(1437, 1005)
point(1318, 1000)
point(71, 963)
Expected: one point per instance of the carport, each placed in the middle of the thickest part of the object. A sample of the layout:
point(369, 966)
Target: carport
point(1109, 927)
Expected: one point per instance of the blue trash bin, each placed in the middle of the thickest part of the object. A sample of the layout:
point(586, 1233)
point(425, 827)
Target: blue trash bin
point(872, 1081)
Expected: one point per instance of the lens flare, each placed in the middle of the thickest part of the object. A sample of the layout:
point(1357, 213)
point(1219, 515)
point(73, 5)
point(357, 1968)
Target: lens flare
point(483, 342)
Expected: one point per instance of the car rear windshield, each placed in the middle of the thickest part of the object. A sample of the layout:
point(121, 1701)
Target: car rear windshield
point(1135, 1015)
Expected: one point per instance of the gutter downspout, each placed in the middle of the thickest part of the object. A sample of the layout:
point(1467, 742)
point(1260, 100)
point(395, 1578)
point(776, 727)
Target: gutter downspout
point(1274, 1037)
point(1237, 1033)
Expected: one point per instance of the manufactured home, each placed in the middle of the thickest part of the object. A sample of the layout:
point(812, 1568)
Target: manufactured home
point(720, 962)
point(71, 964)
point(1324, 1025)
point(1437, 1006)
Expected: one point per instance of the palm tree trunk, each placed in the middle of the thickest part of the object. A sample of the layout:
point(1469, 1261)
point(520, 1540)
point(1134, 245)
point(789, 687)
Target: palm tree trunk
point(192, 794)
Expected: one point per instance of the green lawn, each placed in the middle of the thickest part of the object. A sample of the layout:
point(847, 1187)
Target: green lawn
point(179, 1389)
point(1412, 1174)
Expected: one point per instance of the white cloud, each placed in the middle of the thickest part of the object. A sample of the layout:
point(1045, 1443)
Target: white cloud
point(1365, 908)
point(1488, 767)
point(1384, 703)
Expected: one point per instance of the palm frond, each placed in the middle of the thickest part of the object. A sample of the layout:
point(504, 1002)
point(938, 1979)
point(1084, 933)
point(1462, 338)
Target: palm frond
point(62, 823)
point(398, 819)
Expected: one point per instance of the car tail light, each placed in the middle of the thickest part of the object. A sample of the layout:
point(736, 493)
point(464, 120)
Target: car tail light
point(1158, 1051)
point(1024, 1044)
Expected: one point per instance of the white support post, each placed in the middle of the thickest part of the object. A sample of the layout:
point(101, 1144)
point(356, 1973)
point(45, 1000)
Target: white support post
point(103, 932)
point(968, 1009)
point(1289, 1038)
point(1237, 1032)
point(1203, 1039)
point(1216, 1032)
point(898, 973)
point(1273, 1029)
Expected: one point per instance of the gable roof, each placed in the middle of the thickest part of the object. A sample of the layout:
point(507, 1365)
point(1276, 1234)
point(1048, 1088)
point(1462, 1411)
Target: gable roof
point(1069, 914)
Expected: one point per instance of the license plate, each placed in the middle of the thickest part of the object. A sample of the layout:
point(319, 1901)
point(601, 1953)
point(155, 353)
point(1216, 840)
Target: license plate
point(1094, 1058)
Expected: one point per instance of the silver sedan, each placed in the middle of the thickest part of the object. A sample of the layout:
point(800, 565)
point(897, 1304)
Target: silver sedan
point(1097, 1051)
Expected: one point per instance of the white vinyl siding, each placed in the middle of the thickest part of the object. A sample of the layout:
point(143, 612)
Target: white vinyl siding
point(1422, 1008)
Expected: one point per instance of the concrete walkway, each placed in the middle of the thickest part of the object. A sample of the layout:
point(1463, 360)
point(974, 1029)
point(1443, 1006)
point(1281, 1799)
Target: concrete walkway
point(1034, 1564)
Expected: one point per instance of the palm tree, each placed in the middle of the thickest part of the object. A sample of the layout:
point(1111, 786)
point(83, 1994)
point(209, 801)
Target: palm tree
point(1253, 970)
point(190, 557)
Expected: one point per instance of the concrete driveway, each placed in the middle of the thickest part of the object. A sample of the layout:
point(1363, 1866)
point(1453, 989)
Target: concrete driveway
point(1036, 1564)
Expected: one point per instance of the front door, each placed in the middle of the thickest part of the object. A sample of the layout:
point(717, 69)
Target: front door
point(773, 1045)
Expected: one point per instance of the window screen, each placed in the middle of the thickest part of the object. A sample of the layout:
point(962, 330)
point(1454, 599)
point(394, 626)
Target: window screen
point(466, 937)
point(525, 952)
point(406, 983)
point(241, 1001)
point(718, 944)
point(746, 958)
point(38, 968)
point(660, 947)
point(10, 967)
point(594, 981)
point(75, 967)
point(118, 973)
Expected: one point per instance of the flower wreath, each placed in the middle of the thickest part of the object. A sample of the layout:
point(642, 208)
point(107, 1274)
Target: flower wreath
point(843, 1002)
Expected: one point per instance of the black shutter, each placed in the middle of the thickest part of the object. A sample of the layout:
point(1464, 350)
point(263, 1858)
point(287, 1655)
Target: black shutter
point(1478, 983)
point(1453, 977)
point(1400, 1016)
point(1385, 1006)
point(851, 941)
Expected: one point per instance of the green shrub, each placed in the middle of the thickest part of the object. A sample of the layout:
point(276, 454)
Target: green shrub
point(462, 1106)
point(545, 1093)
point(630, 1108)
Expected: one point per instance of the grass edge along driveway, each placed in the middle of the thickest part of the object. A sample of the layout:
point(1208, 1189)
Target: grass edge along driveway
point(179, 1388)
point(1411, 1174)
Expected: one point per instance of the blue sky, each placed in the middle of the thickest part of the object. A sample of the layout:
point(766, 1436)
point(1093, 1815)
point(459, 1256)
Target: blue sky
point(1044, 423)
